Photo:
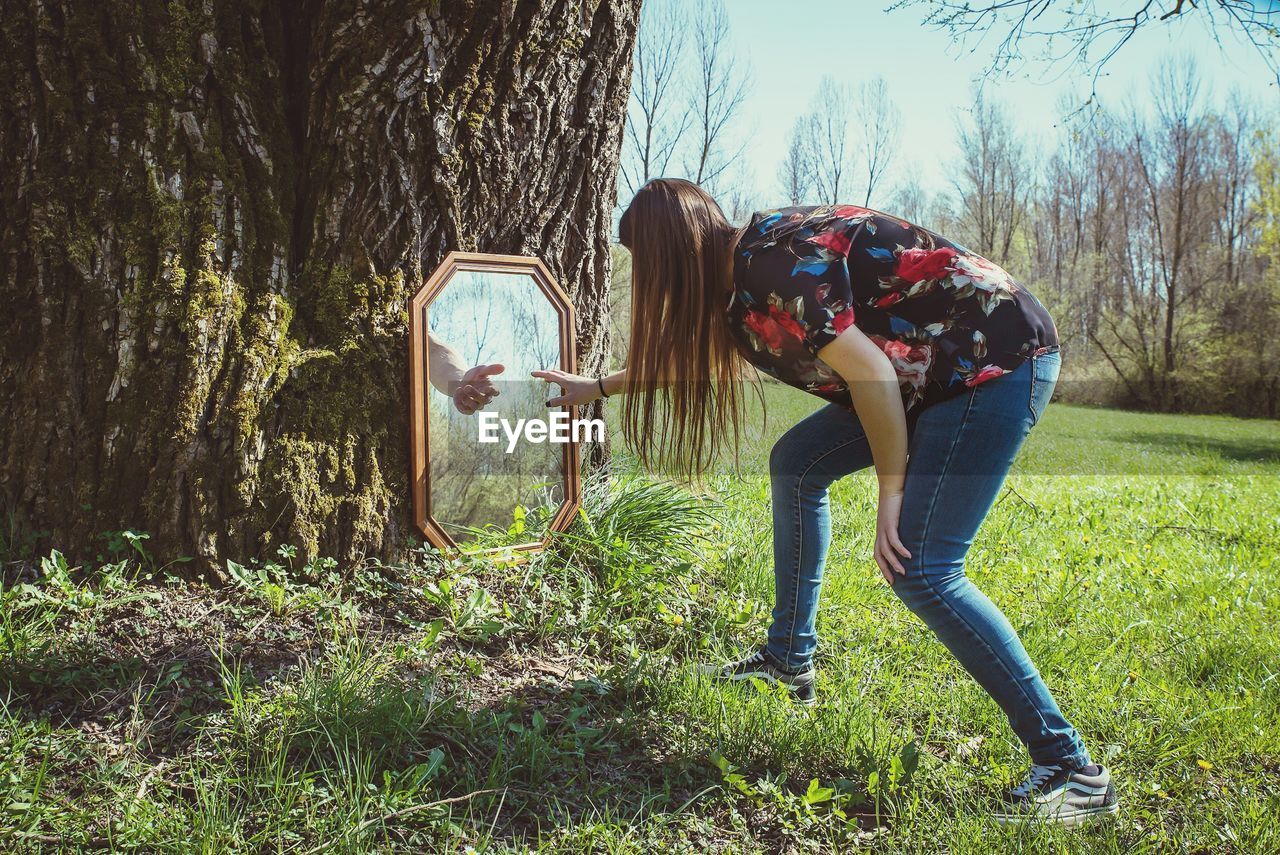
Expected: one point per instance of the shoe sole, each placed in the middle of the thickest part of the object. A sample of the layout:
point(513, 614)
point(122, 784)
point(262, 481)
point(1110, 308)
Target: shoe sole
point(1068, 819)
point(713, 671)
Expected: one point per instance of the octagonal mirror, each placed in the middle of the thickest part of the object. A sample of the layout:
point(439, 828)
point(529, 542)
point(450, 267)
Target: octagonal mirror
point(478, 327)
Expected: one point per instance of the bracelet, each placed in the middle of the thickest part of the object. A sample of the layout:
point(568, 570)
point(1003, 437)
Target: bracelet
point(600, 383)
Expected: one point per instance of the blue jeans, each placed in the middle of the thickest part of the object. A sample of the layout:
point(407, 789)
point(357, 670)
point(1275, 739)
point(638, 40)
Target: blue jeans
point(959, 454)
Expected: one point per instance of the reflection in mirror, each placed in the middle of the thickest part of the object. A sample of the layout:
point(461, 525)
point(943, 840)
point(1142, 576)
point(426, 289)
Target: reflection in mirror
point(480, 493)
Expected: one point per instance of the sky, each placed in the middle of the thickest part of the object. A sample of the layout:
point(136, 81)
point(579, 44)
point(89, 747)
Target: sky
point(490, 317)
point(790, 46)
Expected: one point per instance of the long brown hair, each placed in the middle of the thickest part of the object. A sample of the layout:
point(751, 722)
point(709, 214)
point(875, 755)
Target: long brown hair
point(684, 395)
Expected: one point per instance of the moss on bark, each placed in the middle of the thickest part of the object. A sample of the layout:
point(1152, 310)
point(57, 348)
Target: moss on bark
point(215, 218)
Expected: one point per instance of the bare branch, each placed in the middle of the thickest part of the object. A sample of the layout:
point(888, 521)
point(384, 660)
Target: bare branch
point(655, 121)
point(716, 97)
point(1089, 26)
point(880, 121)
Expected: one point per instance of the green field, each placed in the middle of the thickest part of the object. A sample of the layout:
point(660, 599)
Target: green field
point(551, 706)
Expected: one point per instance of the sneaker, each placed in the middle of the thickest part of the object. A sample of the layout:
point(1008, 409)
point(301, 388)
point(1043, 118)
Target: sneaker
point(1055, 793)
point(760, 665)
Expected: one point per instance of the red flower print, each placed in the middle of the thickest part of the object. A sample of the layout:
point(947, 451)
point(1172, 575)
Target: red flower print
point(917, 264)
point(895, 349)
point(848, 212)
point(787, 322)
point(988, 372)
point(773, 327)
point(842, 321)
point(836, 240)
point(765, 329)
point(889, 299)
point(911, 362)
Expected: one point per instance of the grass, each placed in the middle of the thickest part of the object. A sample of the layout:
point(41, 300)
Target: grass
point(549, 706)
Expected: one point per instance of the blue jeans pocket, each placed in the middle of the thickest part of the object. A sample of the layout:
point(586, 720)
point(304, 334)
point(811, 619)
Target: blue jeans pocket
point(1045, 368)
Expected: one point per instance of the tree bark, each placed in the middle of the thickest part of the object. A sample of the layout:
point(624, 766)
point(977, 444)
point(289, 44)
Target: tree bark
point(212, 215)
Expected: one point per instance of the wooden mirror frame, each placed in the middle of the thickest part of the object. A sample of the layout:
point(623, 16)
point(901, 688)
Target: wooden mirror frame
point(419, 430)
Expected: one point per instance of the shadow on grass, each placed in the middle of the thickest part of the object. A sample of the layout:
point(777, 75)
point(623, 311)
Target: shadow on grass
point(1244, 450)
point(560, 749)
point(160, 695)
point(570, 753)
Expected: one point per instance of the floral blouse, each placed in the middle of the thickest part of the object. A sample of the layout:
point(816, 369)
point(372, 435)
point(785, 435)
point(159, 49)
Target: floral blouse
point(947, 318)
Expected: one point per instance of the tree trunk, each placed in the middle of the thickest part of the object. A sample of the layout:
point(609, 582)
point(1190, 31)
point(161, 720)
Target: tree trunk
point(212, 215)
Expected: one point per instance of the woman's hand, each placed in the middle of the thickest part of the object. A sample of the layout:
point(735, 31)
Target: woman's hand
point(874, 387)
point(476, 388)
point(888, 546)
point(577, 389)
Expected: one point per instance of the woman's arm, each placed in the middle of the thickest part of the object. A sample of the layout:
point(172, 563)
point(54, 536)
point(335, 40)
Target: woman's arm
point(873, 386)
point(579, 389)
point(445, 366)
point(469, 388)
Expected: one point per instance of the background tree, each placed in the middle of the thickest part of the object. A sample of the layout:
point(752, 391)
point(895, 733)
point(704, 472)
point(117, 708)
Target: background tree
point(658, 116)
point(823, 150)
point(880, 122)
point(1260, 315)
point(1070, 224)
point(1171, 160)
point(1146, 238)
point(795, 173)
point(994, 179)
point(716, 96)
point(827, 139)
point(686, 100)
point(212, 215)
point(911, 200)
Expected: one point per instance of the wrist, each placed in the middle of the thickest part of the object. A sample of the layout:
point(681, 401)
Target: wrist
point(891, 491)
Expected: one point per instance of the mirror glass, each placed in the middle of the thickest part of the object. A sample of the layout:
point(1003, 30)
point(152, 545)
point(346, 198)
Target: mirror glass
point(504, 492)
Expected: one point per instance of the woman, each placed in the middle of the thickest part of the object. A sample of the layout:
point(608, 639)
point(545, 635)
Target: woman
point(935, 365)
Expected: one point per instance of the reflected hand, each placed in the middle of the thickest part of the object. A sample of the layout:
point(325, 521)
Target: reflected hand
point(476, 388)
point(888, 546)
point(577, 389)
